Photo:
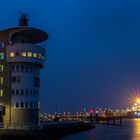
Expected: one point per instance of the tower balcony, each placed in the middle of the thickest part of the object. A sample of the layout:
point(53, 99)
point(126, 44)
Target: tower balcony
point(25, 52)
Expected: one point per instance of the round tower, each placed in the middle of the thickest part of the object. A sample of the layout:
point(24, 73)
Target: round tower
point(23, 57)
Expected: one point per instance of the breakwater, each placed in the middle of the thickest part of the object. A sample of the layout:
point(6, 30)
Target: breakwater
point(47, 132)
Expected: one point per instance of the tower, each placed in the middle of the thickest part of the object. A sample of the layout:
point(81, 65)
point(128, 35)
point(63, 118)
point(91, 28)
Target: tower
point(21, 58)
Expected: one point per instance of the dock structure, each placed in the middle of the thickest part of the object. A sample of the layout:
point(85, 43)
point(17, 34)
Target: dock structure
point(109, 120)
point(21, 58)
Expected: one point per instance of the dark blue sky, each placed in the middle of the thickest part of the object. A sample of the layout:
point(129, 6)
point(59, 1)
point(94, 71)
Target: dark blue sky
point(93, 50)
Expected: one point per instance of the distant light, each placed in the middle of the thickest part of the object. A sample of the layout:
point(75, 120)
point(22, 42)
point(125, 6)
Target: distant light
point(138, 100)
point(91, 111)
point(24, 54)
point(29, 54)
point(135, 113)
point(34, 55)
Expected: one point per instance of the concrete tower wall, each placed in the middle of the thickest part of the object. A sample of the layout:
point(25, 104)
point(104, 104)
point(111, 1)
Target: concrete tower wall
point(25, 94)
point(26, 60)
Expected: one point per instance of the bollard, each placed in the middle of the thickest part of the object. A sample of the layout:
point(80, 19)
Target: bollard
point(120, 121)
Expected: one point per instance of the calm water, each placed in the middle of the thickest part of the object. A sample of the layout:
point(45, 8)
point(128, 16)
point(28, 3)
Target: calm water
point(130, 130)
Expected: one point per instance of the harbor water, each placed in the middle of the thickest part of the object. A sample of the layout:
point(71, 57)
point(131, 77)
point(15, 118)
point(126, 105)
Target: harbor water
point(130, 130)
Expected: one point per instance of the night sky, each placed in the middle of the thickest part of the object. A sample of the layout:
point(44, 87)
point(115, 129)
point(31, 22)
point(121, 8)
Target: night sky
point(93, 50)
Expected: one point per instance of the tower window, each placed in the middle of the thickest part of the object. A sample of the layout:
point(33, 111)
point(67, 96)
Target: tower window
point(12, 54)
point(22, 92)
point(1, 56)
point(26, 68)
point(1, 68)
point(36, 82)
point(1, 92)
point(17, 67)
point(13, 91)
point(16, 79)
point(17, 92)
point(17, 54)
point(13, 79)
point(39, 55)
point(1, 80)
point(13, 67)
point(26, 91)
point(24, 54)
point(30, 92)
point(26, 104)
point(31, 105)
point(22, 68)
point(21, 104)
point(29, 54)
point(17, 105)
point(35, 55)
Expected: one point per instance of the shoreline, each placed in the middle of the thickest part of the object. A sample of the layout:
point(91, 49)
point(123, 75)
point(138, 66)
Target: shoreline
point(53, 131)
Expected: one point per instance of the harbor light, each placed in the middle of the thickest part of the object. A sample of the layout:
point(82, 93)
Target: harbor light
point(138, 100)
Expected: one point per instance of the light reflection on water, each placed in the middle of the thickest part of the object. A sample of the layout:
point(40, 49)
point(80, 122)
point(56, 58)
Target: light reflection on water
point(130, 130)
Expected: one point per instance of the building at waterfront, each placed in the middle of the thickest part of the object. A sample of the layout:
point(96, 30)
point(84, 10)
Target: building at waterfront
point(21, 58)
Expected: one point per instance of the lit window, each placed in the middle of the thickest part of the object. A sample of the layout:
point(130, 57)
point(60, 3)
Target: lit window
point(34, 55)
point(12, 54)
point(39, 55)
point(1, 92)
point(1, 80)
point(24, 54)
point(1, 68)
point(1, 56)
point(29, 54)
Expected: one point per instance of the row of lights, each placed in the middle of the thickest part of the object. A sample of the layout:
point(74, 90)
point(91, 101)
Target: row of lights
point(28, 54)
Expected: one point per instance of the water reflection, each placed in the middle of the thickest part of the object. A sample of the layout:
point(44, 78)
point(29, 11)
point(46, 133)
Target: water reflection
point(136, 129)
point(130, 130)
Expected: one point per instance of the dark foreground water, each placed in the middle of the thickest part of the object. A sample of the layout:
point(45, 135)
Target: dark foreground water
point(130, 130)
